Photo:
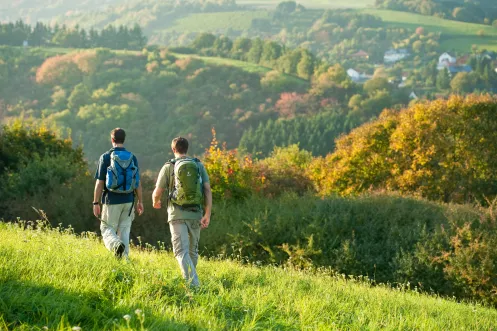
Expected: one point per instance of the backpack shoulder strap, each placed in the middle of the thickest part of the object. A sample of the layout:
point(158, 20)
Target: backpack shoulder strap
point(170, 176)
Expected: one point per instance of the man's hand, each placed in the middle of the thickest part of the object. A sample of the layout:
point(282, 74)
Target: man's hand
point(139, 208)
point(204, 222)
point(157, 204)
point(96, 211)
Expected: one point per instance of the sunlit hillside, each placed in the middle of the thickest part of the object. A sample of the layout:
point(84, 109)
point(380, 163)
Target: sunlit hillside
point(56, 280)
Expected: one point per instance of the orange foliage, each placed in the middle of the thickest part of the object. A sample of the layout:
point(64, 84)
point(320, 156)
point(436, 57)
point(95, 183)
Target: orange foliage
point(59, 70)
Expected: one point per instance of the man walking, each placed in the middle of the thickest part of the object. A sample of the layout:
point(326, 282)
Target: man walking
point(117, 181)
point(187, 187)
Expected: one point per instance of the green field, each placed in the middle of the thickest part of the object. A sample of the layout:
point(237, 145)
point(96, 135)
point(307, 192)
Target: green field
point(212, 22)
point(458, 36)
point(311, 3)
point(55, 279)
point(246, 66)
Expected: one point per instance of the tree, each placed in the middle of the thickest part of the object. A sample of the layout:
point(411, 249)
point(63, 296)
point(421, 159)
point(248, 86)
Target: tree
point(270, 52)
point(137, 39)
point(417, 46)
point(80, 96)
point(254, 55)
point(443, 79)
point(377, 84)
point(204, 40)
point(463, 82)
point(420, 31)
point(286, 7)
point(305, 68)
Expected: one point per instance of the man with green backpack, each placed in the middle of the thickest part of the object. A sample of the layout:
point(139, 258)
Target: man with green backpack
point(186, 184)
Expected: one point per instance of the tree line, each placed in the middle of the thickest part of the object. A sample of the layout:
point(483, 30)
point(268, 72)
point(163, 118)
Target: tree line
point(122, 37)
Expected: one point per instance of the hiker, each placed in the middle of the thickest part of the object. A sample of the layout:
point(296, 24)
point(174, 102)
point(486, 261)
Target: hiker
point(187, 187)
point(117, 182)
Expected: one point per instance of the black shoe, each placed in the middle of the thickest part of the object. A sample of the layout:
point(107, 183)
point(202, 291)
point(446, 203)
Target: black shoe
point(120, 250)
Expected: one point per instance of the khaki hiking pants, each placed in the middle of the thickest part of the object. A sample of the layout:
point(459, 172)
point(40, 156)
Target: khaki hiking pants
point(115, 225)
point(185, 235)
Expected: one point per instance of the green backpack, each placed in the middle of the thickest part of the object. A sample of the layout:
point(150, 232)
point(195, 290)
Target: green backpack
point(187, 183)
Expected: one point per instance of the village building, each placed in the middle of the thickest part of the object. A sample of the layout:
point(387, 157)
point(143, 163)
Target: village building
point(357, 76)
point(361, 55)
point(395, 55)
point(445, 60)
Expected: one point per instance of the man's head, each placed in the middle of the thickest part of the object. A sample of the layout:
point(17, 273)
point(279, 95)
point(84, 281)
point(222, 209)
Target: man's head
point(118, 136)
point(179, 146)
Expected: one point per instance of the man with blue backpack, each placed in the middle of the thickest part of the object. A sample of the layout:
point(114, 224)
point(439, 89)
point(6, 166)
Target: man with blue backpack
point(117, 181)
point(189, 204)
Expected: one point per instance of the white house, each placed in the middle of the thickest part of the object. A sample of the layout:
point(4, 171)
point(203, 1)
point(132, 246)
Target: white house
point(395, 55)
point(446, 60)
point(357, 76)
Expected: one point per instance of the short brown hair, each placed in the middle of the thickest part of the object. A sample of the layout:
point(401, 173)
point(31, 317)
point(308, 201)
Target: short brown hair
point(180, 144)
point(118, 135)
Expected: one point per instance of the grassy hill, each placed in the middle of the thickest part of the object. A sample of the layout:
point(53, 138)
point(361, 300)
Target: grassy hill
point(56, 279)
point(459, 36)
point(238, 20)
point(218, 61)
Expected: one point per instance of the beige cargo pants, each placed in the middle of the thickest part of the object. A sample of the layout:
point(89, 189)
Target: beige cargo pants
point(115, 225)
point(185, 235)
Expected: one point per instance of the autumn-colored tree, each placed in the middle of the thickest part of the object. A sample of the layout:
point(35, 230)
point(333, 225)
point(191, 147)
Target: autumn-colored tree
point(58, 70)
point(441, 150)
point(291, 104)
point(362, 159)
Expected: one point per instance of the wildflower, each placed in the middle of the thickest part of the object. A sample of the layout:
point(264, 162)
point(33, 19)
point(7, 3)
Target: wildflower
point(76, 328)
point(127, 317)
point(138, 312)
point(45, 328)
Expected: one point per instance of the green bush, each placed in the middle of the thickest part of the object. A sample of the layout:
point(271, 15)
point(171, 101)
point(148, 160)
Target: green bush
point(446, 249)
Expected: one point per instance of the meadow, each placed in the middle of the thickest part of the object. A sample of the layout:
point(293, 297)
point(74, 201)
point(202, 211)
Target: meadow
point(55, 279)
point(212, 22)
point(459, 36)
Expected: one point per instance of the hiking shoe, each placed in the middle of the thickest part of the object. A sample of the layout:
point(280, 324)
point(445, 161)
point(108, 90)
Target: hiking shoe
point(120, 250)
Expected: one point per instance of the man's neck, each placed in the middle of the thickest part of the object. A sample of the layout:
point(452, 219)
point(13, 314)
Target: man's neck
point(177, 156)
point(117, 145)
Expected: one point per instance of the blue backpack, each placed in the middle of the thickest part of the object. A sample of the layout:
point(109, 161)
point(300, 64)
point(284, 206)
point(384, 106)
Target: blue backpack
point(122, 174)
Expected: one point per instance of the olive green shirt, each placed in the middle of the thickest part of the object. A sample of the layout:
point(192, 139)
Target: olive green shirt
point(175, 212)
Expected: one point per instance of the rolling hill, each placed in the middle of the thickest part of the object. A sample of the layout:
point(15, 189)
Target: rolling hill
point(458, 36)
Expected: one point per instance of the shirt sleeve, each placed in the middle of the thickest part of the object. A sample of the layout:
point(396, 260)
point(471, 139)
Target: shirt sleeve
point(203, 174)
point(163, 180)
point(101, 172)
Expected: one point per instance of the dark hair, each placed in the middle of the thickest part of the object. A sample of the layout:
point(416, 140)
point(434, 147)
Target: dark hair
point(118, 135)
point(180, 144)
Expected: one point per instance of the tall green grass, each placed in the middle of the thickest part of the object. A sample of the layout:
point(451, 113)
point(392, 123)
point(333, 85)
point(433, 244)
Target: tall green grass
point(53, 278)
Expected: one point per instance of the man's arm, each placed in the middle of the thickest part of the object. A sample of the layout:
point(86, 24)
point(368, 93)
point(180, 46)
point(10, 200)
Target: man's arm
point(204, 222)
point(156, 197)
point(97, 194)
point(139, 205)
point(160, 186)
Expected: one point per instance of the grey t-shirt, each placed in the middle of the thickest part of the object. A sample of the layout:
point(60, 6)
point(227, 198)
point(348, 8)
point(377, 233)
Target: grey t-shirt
point(175, 212)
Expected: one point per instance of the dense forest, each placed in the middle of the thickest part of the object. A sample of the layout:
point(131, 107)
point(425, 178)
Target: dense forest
point(42, 35)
